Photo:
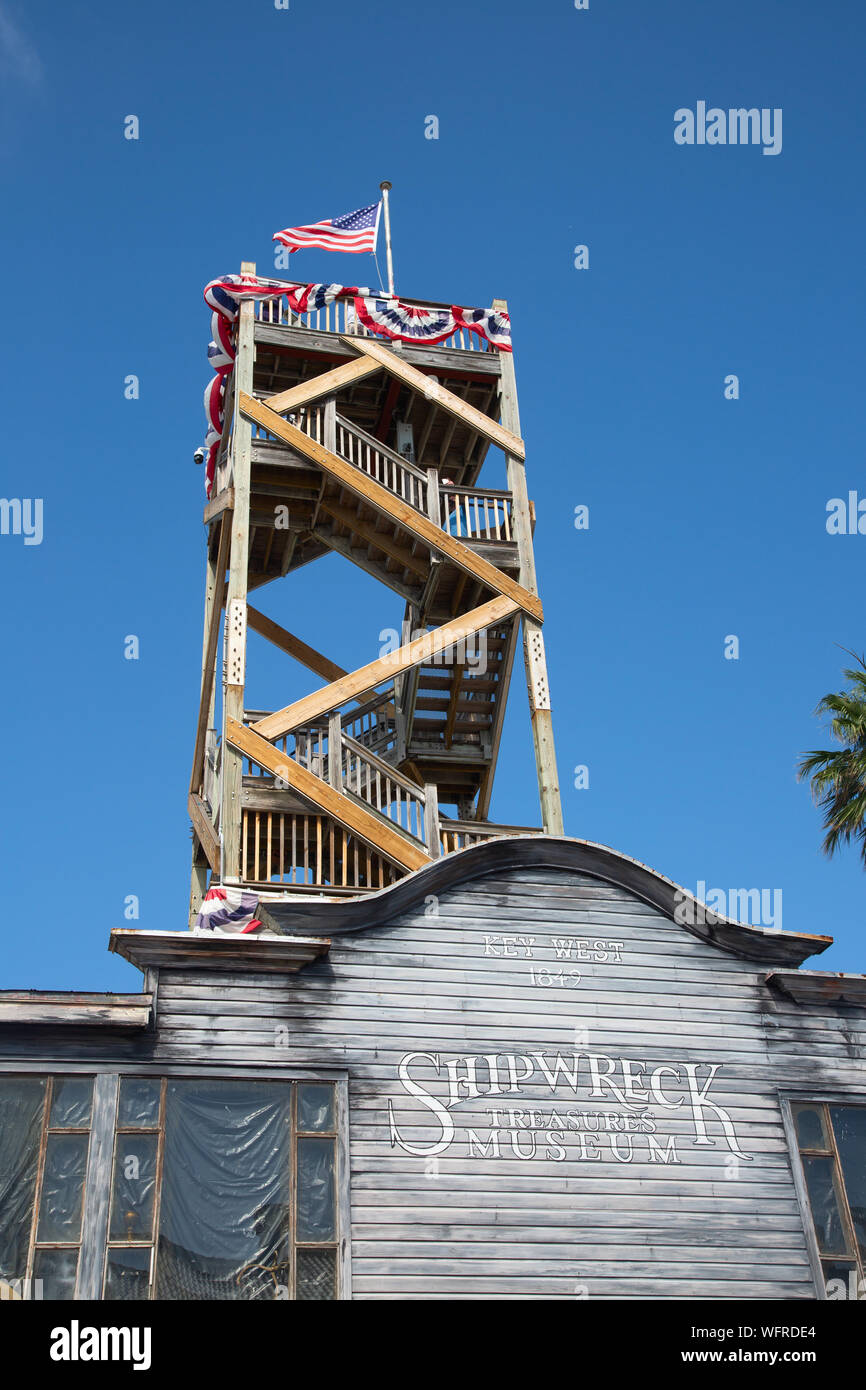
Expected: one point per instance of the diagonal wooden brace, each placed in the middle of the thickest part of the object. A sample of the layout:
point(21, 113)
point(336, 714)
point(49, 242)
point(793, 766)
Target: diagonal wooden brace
point(356, 818)
point(440, 395)
point(366, 678)
point(325, 385)
point(398, 511)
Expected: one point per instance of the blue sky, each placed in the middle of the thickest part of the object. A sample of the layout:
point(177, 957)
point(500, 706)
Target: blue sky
point(707, 516)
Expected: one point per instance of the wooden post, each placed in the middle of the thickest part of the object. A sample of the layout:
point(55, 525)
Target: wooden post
point(433, 496)
point(234, 655)
point(214, 597)
point(533, 640)
point(198, 878)
point(335, 751)
point(213, 594)
point(431, 819)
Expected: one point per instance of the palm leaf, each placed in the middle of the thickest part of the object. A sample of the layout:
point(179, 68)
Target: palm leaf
point(837, 777)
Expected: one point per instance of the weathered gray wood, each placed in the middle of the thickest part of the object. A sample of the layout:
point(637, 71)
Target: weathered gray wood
point(97, 1188)
point(477, 1220)
point(446, 362)
point(236, 590)
point(215, 950)
point(683, 1016)
point(537, 679)
point(344, 1179)
point(118, 1011)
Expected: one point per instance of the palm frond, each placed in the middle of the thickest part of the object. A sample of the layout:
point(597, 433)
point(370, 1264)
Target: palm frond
point(837, 777)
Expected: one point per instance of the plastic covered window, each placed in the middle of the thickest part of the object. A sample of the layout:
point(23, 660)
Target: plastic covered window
point(44, 1145)
point(223, 1190)
point(832, 1144)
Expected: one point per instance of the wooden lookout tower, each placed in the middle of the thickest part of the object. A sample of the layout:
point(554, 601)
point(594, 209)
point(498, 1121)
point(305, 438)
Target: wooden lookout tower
point(336, 440)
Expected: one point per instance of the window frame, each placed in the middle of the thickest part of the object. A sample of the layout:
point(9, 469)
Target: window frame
point(790, 1099)
point(46, 1129)
point(96, 1203)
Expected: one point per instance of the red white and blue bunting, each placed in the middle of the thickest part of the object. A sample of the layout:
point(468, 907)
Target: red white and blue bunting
point(409, 324)
point(228, 910)
point(379, 314)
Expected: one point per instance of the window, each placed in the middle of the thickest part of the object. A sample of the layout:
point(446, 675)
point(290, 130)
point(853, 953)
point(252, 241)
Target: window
point(832, 1143)
point(199, 1188)
point(44, 1144)
point(223, 1190)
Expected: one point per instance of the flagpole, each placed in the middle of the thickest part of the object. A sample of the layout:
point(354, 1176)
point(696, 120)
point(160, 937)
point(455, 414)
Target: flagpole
point(385, 186)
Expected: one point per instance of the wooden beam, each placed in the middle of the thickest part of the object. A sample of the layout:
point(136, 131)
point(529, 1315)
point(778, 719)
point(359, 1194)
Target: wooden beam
point(421, 446)
point(457, 681)
point(236, 594)
point(400, 512)
point(470, 415)
point(203, 827)
point(358, 556)
point(369, 827)
point(537, 681)
point(287, 642)
point(306, 655)
point(453, 362)
point(288, 552)
point(208, 667)
point(503, 684)
point(385, 668)
point(381, 539)
point(324, 385)
point(383, 424)
point(448, 432)
point(198, 880)
point(223, 502)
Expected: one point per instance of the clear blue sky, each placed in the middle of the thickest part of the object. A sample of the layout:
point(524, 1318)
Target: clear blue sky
point(707, 516)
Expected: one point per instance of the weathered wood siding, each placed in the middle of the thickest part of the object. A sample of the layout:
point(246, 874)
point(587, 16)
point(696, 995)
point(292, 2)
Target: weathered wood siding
point(561, 1220)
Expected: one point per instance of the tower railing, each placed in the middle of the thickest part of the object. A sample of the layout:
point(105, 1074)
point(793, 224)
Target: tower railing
point(380, 786)
point(308, 851)
point(371, 456)
point(468, 513)
point(310, 419)
point(476, 513)
point(339, 317)
point(371, 727)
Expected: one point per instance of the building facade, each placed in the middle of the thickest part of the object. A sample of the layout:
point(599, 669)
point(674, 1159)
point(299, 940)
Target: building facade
point(532, 1070)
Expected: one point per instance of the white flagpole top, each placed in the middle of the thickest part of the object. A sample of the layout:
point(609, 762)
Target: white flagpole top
point(385, 187)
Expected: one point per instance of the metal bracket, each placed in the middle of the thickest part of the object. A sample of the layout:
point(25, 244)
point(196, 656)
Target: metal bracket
point(236, 641)
point(536, 668)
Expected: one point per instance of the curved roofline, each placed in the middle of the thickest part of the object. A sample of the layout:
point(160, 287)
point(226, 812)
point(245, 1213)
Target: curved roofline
point(331, 917)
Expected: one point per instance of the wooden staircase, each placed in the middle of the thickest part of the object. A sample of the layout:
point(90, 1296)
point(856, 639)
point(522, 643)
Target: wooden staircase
point(342, 789)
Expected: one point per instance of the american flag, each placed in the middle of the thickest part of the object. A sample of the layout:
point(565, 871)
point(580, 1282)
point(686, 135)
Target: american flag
point(355, 231)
